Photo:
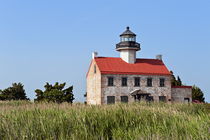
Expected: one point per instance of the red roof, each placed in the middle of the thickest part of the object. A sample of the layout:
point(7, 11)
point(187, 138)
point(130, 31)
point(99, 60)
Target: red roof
point(112, 65)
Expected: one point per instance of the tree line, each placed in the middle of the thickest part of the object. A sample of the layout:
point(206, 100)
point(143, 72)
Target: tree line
point(52, 93)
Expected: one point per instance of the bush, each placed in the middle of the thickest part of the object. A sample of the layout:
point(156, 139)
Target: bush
point(55, 93)
point(15, 92)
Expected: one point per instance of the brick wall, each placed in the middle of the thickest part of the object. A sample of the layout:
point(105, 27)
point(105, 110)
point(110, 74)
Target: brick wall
point(117, 90)
point(179, 94)
point(93, 84)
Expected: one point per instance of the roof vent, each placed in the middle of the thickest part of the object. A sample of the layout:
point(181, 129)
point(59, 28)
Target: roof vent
point(94, 55)
point(159, 57)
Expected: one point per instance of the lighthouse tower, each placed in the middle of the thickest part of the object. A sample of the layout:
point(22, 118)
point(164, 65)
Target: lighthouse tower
point(128, 46)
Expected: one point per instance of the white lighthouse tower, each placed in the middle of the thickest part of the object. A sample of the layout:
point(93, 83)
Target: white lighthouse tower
point(128, 46)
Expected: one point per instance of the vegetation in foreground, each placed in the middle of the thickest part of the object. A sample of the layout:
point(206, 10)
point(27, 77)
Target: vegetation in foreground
point(26, 120)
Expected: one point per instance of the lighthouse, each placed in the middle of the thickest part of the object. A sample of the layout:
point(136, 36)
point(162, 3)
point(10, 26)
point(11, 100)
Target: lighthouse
point(128, 46)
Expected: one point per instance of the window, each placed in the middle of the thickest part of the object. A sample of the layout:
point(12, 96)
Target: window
point(110, 99)
point(149, 82)
point(162, 98)
point(94, 68)
point(162, 82)
point(128, 39)
point(124, 99)
point(186, 100)
point(110, 81)
point(137, 81)
point(150, 99)
point(124, 81)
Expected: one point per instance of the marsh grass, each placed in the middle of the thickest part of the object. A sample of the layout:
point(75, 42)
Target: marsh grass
point(25, 120)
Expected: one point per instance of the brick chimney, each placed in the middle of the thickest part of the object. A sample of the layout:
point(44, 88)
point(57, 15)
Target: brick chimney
point(159, 57)
point(94, 55)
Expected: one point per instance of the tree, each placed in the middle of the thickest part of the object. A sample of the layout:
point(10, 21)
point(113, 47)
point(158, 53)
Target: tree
point(15, 92)
point(179, 81)
point(197, 94)
point(174, 81)
point(55, 93)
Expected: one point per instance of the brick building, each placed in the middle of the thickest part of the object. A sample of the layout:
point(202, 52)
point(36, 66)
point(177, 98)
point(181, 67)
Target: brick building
point(129, 79)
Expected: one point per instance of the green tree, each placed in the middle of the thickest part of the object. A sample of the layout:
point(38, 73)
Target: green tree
point(179, 81)
point(15, 92)
point(173, 80)
point(197, 94)
point(55, 93)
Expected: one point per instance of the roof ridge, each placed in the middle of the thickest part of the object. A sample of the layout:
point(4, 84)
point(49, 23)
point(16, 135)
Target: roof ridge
point(121, 58)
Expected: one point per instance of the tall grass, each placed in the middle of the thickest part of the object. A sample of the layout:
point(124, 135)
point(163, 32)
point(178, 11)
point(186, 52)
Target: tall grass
point(24, 120)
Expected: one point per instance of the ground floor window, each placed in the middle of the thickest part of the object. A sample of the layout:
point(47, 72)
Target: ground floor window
point(110, 99)
point(162, 98)
point(124, 99)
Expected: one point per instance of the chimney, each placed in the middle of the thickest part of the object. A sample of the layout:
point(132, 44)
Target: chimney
point(94, 55)
point(159, 57)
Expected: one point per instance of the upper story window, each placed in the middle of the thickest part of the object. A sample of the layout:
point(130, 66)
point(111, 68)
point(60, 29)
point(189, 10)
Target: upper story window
point(110, 81)
point(124, 81)
point(162, 82)
point(137, 81)
point(149, 82)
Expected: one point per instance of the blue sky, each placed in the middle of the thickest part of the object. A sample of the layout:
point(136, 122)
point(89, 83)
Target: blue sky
point(48, 41)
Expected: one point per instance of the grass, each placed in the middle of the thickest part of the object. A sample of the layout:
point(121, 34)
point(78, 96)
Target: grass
point(25, 120)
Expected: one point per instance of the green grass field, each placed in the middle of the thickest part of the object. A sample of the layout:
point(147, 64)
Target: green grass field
point(25, 120)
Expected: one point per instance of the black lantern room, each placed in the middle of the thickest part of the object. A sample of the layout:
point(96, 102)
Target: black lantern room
point(128, 41)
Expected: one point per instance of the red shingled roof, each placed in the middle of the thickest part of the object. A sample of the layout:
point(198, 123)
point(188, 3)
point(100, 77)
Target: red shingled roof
point(112, 65)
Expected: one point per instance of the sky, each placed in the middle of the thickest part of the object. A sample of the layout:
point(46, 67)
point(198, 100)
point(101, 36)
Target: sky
point(52, 40)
